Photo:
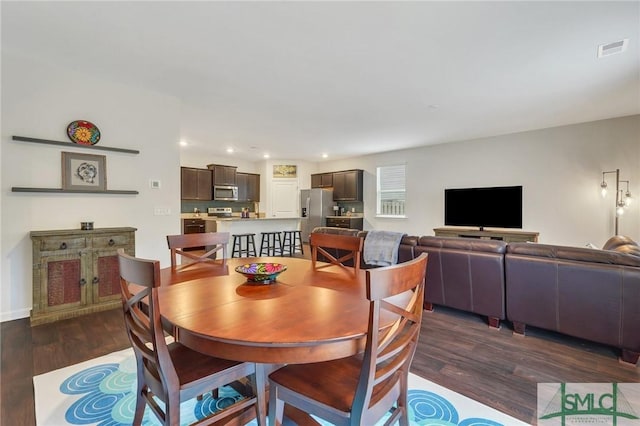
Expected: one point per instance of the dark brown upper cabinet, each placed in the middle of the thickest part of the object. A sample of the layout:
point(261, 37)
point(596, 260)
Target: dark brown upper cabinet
point(196, 184)
point(347, 185)
point(223, 175)
point(248, 187)
point(322, 180)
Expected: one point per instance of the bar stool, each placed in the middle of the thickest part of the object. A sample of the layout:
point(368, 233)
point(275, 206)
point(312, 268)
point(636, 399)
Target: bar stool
point(291, 243)
point(246, 241)
point(271, 244)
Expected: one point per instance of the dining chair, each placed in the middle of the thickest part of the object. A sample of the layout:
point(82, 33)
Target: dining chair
point(171, 372)
point(213, 242)
point(346, 247)
point(361, 389)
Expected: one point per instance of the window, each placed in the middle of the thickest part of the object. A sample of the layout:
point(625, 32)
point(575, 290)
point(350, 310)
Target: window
point(390, 191)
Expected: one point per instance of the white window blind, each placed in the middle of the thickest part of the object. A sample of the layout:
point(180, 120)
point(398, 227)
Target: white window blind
point(391, 190)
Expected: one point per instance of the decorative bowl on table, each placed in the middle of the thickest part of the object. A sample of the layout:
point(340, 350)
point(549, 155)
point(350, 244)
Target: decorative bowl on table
point(261, 272)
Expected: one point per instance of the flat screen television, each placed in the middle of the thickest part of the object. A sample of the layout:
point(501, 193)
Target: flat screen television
point(496, 207)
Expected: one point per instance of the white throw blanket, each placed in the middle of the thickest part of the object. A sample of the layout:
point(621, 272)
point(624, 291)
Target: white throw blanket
point(381, 248)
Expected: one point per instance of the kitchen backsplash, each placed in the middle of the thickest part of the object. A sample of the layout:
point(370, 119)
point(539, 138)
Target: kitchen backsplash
point(187, 206)
point(357, 206)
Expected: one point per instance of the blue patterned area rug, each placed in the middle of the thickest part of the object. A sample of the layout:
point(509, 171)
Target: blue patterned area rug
point(101, 392)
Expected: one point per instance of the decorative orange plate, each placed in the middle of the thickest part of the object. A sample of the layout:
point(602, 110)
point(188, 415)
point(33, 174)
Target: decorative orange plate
point(83, 132)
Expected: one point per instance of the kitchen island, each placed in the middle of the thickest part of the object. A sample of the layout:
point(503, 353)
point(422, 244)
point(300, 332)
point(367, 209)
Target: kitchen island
point(252, 225)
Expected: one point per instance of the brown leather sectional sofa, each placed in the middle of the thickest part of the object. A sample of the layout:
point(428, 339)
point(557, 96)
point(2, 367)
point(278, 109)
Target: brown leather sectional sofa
point(465, 274)
point(587, 293)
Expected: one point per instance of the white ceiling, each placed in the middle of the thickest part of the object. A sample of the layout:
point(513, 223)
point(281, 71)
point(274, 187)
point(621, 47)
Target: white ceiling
point(298, 79)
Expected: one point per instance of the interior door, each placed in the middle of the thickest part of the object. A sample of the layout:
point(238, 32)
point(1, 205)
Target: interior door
point(284, 198)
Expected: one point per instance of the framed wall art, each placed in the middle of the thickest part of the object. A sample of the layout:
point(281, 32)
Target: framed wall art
point(84, 172)
point(285, 171)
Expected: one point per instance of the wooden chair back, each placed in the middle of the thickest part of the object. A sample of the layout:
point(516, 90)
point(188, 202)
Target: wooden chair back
point(171, 373)
point(320, 243)
point(139, 279)
point(213, 242)
point(361, 389)
point(396, 290)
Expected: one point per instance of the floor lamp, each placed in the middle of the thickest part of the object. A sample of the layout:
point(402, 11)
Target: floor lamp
point(622, 199)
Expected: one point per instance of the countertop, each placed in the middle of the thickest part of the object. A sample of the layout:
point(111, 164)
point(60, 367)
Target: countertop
point(345, 216)
point(229, 219)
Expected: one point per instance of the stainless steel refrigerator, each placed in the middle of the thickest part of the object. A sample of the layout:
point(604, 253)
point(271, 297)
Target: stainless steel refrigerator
point(315, 205)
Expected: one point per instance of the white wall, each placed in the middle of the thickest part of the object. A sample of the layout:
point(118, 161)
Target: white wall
point(39, 101)
point(560, 170)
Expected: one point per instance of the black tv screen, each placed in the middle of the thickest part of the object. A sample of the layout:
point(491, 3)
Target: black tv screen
point(497, 207)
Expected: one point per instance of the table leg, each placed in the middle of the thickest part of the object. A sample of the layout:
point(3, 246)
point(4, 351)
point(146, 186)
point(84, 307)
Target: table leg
point(261, 393)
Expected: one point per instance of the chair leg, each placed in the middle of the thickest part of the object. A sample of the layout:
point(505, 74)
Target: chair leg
point(259, 386)
point(298, 239)
point(140, 406)
point(172, 410)
point(276, 408)
point(403, 404)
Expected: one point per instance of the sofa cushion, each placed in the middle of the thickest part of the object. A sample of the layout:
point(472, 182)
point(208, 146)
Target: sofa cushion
point(470, 244)
point(574, 253)
point(617, 241)
point(628, 249)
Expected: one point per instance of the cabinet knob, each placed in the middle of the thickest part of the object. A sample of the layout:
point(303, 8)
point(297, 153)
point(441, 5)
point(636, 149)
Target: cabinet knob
point(111, 242)
point(83, 281)
point(95, 280)
point(63, 246)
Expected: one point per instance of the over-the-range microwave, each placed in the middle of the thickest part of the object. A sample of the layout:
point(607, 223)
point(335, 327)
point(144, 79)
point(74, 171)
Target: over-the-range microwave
point(225, 193)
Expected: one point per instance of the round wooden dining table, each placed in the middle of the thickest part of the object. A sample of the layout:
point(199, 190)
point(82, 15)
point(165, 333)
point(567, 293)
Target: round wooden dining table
point(306, 315)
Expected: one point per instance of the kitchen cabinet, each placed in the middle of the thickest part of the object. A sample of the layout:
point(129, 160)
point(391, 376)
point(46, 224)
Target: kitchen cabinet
point(223, 175)
point(248, 187)
point(347, 185)
point(193, 226)
point(76, 272)
point(322, 180)
point(345, 222)
point(196, 184)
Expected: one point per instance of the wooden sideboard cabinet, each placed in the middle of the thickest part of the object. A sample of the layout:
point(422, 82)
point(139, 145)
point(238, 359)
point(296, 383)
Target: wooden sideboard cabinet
point(76, 272)
point(488, 234)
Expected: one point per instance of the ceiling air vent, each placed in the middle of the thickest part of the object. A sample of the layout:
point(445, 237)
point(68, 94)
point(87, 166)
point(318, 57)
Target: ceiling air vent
point(612, 48)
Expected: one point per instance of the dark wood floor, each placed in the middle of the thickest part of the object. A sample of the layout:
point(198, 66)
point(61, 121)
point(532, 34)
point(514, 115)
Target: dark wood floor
point(457, 350)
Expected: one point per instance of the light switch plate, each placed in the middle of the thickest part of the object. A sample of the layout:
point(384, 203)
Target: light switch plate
point(161, 211)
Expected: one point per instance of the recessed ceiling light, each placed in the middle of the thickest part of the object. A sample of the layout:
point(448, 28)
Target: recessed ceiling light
point(612, 48)
point(266, 155)
point(230, 150)
point(183, 143)
point(325, 155)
